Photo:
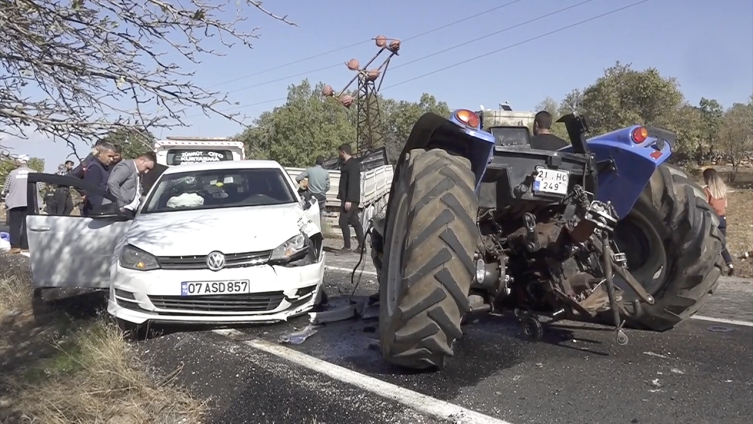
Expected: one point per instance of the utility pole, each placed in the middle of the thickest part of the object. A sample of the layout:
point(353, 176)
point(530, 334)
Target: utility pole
point(369, 132)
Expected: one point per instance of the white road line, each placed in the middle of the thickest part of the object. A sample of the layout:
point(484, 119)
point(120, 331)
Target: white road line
point(723, 320)
point(350, 270)
point(417, 401)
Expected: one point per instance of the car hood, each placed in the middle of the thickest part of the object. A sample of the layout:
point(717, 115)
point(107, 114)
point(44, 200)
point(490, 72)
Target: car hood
point(231, 230)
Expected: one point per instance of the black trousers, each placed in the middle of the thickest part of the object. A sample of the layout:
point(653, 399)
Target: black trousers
point(348, 219)
point(17, 224)
point(63, 201)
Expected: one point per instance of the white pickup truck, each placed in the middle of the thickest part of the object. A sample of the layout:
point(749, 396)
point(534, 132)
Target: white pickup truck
point(183, 150)
point(376, 180)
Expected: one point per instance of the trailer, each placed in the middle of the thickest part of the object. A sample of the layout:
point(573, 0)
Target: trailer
point(376, 180)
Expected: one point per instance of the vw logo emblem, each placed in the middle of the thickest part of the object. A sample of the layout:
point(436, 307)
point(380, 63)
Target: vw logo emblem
point(215, 261)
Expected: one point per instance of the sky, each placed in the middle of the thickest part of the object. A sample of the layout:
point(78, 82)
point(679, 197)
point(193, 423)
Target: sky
point(707, 45)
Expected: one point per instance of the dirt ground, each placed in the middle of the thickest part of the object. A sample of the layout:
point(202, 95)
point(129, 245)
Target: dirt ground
point(76, 367)
point(740, 220)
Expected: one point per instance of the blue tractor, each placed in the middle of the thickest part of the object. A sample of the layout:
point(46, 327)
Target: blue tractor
point(601, 231)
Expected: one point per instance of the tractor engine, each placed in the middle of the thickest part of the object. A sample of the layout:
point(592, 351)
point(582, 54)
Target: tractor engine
point(548, 257)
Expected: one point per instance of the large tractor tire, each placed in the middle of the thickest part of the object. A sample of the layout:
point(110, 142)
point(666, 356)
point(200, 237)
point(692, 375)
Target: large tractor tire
point(673, 247)
point(430, 239)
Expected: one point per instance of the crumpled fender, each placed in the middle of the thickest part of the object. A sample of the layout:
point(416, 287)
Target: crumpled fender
point(306, 224)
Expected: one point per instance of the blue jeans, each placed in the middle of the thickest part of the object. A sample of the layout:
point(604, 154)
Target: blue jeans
point(723, 228)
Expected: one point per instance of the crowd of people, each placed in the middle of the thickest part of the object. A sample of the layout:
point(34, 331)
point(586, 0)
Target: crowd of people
point(127, 181)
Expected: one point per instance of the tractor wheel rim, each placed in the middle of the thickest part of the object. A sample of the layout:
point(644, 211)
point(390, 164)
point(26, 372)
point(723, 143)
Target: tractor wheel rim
point(395, 258)
point(647, 257)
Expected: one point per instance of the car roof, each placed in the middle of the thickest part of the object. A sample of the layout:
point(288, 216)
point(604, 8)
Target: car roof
point(229, 164)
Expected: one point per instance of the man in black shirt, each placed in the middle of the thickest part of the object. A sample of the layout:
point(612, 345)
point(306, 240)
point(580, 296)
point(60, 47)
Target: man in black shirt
point(543, 138)
point(349, 193)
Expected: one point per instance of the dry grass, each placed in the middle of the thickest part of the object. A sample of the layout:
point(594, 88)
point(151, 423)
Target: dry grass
point(78, 371)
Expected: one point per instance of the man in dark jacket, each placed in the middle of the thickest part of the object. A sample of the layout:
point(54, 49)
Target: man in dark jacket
point(97, 173)
point(80, 170)
point(349, 193)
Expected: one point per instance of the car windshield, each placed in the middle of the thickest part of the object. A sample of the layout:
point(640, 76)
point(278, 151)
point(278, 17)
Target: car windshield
point(511, 136)
point(179, 156)
point(216, 189)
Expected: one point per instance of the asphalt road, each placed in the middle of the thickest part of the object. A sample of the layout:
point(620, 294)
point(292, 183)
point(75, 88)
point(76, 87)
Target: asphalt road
point(700, 372)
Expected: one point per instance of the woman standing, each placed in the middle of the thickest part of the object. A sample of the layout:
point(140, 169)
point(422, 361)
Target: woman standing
point(716, 195)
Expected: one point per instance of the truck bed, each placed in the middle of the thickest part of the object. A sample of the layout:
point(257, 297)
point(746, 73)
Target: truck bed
point(375, 184)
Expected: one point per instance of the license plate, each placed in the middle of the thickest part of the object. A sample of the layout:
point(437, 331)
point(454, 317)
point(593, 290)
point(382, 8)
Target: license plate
point(202, 288)
point(551, 181)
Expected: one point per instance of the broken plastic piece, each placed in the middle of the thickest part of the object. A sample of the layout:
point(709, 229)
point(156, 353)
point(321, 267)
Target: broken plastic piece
point(299, 337)
point(333, 315)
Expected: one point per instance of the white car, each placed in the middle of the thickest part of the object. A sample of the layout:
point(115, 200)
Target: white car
point(214, 243)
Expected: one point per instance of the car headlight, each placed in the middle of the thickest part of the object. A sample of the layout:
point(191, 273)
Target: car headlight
point(292, 249)
point(134, 258)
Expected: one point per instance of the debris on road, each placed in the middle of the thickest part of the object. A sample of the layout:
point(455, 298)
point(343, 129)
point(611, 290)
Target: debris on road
point(299, 337)
point(341, 313)
point(345, 308)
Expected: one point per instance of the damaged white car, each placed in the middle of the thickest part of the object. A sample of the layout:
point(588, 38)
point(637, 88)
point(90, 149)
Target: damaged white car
point(214, 243)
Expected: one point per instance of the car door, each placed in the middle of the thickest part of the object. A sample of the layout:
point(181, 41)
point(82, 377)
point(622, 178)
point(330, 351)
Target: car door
point(71, 251)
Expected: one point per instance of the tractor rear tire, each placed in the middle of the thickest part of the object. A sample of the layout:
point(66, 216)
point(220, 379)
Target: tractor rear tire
point(430, 239)
point(681, 234)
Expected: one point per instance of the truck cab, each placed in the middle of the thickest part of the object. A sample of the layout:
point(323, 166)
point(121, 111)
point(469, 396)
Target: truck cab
point(183, 150)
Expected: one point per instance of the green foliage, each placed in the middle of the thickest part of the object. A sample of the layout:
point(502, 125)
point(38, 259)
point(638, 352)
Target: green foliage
point(7, 165)
point(550, 105)
point(398, 118)
point(624, 97)
point(133, 142)
point(308, 125)
point(36, 164)
point(736, 135)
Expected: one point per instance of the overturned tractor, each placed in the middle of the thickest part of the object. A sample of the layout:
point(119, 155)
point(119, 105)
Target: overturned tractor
point(600, 231)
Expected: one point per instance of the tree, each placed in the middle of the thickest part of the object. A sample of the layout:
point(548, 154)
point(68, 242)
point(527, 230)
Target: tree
point(712, 115)
point(8, 164)
point(736, 136)
point(550, 105)
point(624, 97)
point(571, 103)
point(133, 141)
point(400, 116)
point(306, 126)
point(78, 69)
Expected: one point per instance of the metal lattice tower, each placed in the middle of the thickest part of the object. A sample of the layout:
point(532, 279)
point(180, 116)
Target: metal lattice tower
point(369, 120)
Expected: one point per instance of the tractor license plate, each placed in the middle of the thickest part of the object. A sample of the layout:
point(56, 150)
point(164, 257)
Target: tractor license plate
point(551, 181)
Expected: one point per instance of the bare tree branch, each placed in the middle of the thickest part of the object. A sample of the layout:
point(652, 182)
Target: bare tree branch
point(76, 69)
